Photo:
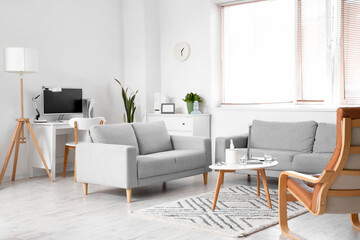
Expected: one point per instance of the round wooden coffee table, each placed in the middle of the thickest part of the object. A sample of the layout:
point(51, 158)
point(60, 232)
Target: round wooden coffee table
point(259, 167)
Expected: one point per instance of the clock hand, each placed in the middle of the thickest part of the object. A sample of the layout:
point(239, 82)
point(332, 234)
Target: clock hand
point(182, 51)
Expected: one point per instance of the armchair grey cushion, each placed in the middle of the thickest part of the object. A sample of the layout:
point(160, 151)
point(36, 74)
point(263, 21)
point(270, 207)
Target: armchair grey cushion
point(152, 137)
point(120, 134)
point(325, 138)
point(289, 136)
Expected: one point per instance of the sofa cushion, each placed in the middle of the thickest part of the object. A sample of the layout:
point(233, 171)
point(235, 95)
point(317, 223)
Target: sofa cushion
point(152, 137)
point(155, 164)
point(188, 159)
point(311, 162)
point(289, 136)
point(167, 162)
point(120, 133)
point(325, 138)
point(285, 158)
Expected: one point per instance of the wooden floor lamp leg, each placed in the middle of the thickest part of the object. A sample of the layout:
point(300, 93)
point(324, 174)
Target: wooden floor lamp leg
point(355, 221)
point(16, 152)
point(217, 189)
point(266, 188)
point(39, 150)
point(8, 155)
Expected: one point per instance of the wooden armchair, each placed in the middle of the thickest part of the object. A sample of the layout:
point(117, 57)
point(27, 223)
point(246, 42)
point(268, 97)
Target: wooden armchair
point(337, 189)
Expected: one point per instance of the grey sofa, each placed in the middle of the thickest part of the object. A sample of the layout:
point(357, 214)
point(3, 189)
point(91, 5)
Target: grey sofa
point(134, 155)
point(300, 146)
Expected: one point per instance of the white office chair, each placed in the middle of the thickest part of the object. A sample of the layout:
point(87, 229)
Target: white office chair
point(79, 124)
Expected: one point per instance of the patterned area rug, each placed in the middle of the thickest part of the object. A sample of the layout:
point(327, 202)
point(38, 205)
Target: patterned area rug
point(239, 211)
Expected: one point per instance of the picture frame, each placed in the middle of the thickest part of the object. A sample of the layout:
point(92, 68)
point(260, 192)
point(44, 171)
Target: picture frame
point(168, 108)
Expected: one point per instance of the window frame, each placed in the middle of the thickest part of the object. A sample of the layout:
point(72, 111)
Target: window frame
point(297, 99)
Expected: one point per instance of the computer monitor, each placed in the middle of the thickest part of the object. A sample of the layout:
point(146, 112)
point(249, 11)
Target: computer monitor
point(66, 101)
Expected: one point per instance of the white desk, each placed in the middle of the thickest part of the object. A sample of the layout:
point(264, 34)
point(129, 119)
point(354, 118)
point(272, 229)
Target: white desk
point(52, 137)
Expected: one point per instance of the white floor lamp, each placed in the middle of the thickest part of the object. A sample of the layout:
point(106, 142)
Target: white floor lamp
point(20, 61)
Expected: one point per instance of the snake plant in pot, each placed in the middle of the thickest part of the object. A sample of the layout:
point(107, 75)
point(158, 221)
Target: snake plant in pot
point(190, 98)
point(129, 103)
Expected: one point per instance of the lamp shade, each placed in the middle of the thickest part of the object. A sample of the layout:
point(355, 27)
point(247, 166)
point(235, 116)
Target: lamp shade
point(20, 60)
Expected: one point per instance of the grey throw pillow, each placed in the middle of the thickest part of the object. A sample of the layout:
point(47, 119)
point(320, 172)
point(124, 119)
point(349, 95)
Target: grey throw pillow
point(325, 138)
point(152, 137)
point(121, 134)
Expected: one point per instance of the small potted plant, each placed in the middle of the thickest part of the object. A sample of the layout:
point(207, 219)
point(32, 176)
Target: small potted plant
point(190, 98)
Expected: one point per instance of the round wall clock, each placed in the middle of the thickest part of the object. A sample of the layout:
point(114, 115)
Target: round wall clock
point(182, 51)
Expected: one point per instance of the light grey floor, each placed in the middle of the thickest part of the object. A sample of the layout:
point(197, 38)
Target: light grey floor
point(38, 209)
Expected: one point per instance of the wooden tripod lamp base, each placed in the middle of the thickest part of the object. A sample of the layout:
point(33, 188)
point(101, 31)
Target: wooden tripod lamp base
point(21, 60)
point(18, 137)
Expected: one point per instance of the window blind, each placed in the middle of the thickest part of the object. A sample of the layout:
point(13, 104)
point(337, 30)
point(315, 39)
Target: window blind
point(350, 52)
point(312, 49)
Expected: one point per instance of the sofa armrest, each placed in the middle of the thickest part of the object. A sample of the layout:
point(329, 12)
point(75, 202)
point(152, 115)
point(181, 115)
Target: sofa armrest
point(193, 143)
point(106, 164)
point(222, 143)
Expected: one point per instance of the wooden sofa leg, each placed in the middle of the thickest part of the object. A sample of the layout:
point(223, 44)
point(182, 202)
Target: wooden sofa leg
point(355, 221)
point(205, 175)
point(128, 194)
point(85, 188)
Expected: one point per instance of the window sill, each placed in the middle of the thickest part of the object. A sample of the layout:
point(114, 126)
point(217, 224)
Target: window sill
point(279, 107)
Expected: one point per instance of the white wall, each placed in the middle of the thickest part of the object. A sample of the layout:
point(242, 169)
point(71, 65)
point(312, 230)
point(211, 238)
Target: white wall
point(142, 52)
point(79, 43)
point(190, 21)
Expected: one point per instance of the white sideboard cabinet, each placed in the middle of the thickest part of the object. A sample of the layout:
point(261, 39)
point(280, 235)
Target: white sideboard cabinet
point(183, 124)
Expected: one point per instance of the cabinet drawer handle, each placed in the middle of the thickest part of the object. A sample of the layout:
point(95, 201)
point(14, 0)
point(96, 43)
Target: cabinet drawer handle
point(183, 123)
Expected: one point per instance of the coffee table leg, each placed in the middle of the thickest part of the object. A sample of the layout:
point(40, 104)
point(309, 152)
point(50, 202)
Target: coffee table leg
point(258, 183)
point(266, 189)
point(217, 189)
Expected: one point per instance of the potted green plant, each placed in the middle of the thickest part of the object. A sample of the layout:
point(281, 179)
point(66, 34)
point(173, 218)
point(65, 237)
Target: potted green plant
point(129, 103)
point(190, 98)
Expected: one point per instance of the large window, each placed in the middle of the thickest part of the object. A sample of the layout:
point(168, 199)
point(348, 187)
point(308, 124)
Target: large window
point(312, 52)
point(275, 51)
point(259, 52)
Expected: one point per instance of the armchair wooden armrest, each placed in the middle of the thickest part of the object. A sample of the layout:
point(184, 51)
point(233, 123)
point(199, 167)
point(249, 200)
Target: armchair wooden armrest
point(305, 177)
point(309, 178)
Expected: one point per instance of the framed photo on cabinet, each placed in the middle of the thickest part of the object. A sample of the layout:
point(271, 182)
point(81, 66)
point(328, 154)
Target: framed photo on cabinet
point(168, 108)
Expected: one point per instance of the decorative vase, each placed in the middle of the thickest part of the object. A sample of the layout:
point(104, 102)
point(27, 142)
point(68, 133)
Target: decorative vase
point(190, 107)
